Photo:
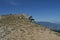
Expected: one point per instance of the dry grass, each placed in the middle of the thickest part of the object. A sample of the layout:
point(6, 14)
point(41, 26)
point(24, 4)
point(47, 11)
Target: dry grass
point(18, 27)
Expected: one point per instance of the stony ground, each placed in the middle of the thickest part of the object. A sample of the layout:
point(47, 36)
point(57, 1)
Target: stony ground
point(18, 27)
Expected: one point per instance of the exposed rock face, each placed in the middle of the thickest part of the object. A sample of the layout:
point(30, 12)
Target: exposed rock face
point(18, 27)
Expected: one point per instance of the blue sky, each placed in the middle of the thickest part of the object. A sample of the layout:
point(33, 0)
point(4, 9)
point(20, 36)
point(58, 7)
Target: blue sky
point(41, 10)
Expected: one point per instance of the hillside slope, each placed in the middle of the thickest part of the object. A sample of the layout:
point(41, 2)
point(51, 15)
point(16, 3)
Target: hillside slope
point(19, 27)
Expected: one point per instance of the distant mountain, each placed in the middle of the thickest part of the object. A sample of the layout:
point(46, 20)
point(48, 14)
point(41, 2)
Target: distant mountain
point(53, 26)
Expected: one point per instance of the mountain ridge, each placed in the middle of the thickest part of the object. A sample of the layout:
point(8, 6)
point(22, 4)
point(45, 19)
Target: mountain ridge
point(53, 26)
point(19, 27)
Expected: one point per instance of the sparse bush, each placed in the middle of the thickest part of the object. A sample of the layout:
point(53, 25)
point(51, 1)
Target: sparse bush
point(31, 19)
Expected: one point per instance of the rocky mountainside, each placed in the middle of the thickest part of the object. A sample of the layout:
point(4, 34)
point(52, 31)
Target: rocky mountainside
point(19, 27)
